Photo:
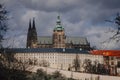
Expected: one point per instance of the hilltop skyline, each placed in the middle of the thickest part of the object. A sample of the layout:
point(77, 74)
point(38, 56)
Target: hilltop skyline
point(79, 18)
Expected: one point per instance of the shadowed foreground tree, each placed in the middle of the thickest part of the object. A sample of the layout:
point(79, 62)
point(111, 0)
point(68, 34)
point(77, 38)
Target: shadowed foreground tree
point(3, 23)
point(87, 65)
point(58, 76)
point(42, 75)
point(95, 67)
point(9, 67)
point(39, 75)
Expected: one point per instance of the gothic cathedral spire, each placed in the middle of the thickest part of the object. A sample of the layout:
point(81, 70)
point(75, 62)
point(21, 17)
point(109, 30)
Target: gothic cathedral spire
point(34, 23)
point(32, 35)
point(28, 35)
point(29, 25)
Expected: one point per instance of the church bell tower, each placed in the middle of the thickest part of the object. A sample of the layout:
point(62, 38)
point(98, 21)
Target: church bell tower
point(58, 35)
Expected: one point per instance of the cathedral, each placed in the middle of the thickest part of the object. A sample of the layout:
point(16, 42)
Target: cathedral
point(57, 40)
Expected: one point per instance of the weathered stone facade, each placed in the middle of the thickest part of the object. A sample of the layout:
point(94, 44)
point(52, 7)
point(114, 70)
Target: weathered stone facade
point(32, 36)
point(57, 40)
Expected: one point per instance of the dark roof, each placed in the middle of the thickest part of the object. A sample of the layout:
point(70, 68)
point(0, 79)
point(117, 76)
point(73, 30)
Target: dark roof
point(77, 40)
point(69, 39)
point(45, 50)
point(44, 40)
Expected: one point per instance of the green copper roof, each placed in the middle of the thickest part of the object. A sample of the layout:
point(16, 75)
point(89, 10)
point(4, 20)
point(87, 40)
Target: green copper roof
point(59, 27)
point(58, 24)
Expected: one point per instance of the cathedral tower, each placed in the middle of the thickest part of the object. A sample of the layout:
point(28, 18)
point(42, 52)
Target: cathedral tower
point(58, 35)
point(29, 36)
point(32, 35)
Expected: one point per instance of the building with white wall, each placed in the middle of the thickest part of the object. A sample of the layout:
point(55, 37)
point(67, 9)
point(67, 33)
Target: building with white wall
point(55, 57)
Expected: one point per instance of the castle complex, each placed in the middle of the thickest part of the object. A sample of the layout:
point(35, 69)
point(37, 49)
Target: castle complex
point(63, 52)
point(57, 40)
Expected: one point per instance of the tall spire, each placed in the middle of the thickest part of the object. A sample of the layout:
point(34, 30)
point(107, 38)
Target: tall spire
point(29, 35)
point(58, 24)
point(58, 20)
point(32, 35)
point(33, 23)
point(29, 25)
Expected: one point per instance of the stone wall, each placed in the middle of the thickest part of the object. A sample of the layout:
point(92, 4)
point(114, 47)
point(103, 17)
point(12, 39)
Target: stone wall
point(77, 75)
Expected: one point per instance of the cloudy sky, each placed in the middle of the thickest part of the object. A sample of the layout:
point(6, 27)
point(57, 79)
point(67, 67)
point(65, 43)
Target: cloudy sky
point(84, 18)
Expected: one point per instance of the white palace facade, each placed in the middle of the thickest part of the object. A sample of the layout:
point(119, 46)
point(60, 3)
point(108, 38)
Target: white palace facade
point(65, 59)
point(55, 57)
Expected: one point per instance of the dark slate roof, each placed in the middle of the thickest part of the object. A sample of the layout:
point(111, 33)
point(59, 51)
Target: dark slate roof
point(77, 40)
point(44, 40)
point(74, 40)
point(45, 50)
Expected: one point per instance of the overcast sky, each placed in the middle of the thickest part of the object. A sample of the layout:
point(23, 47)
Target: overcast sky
point(84, 18)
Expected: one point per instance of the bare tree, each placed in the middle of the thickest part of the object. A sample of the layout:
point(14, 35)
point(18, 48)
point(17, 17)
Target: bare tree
point(95, 66)
point(44, 63)
point(116, 31)
point(87, 65)
point(76, 63)
point(3, 22)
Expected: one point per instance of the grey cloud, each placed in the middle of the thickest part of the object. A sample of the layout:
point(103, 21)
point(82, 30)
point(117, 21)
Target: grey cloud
point(106, 9)
point(94, 10)
point(107, 4)
point(78, 17)
point(51, 5)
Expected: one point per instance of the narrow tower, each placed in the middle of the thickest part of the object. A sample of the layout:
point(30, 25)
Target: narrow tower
point(29, 36)
point(32, 35)
point(58, 35)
